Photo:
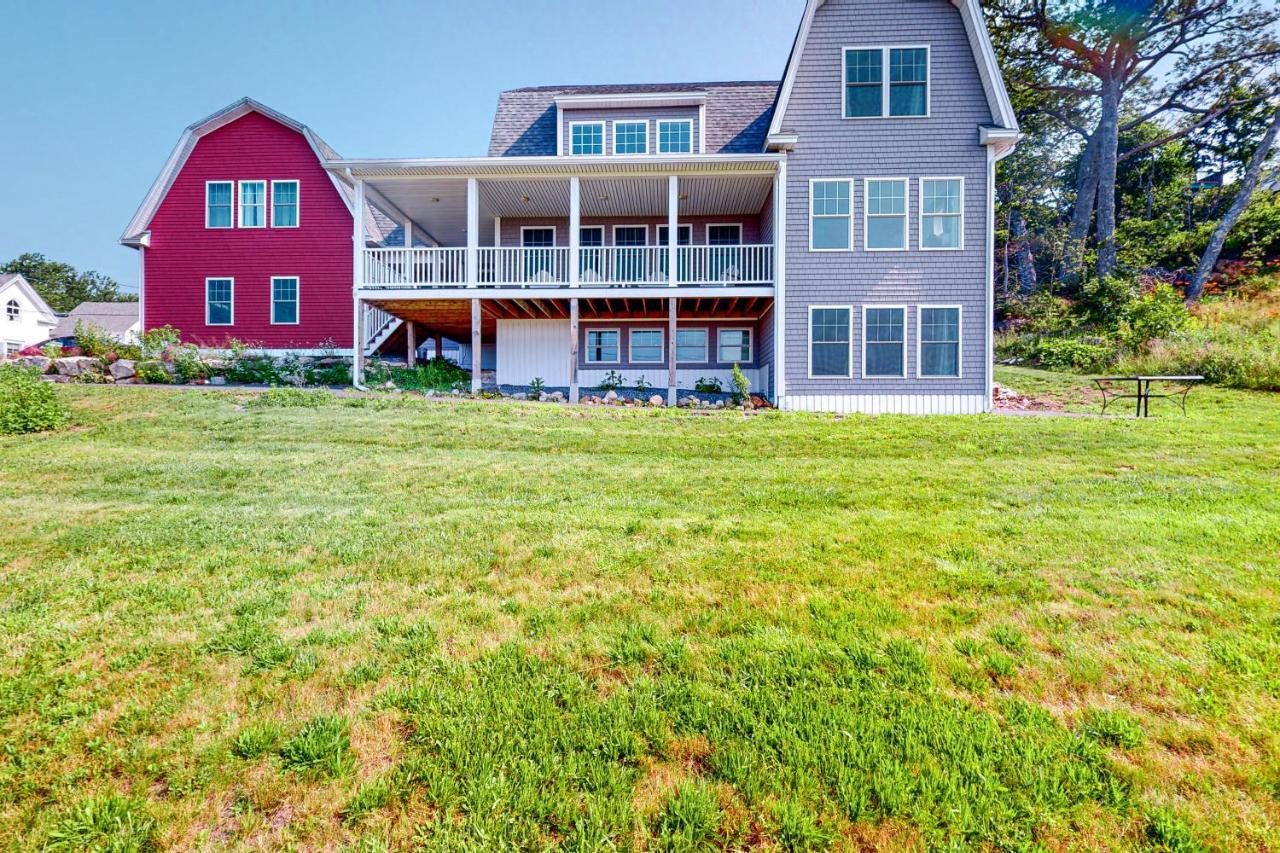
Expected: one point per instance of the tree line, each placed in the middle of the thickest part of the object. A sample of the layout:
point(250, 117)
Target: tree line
point(62, 285)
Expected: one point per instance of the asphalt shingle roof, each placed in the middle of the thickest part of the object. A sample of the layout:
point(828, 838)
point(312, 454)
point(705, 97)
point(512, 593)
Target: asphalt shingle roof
point(738, 115)
point(115, 318)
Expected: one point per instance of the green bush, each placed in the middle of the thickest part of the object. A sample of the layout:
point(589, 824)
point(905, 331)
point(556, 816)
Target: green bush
point(741, 385)
point(187, 365)
point(156, 342)
point(291, 398)
point(93, 340)
point(708, 385)
point(436, 374)
point(1153, 315)
point(1073, 354)
point(152, 372)
point(27, 402)
point(335, 374)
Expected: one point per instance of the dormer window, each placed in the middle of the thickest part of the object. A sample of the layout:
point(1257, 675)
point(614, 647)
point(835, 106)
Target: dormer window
point(675, 136)
point(631, 137)
point(586, 137)
point(871, 93)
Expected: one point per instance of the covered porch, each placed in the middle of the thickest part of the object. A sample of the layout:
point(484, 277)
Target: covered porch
point(665, 342)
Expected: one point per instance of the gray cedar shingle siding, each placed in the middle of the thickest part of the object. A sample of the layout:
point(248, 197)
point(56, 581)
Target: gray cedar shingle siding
point(738, 115)
point(943, 145)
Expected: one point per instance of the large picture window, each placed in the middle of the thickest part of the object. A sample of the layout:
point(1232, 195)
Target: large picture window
point(939, 340)
point(886, 214)
point(284, 204)
point(941, 213)
point(830, 217)
point(646, 346)
point(829, 341)
point(217, 204)
point(284, 300)
point(884, 341)
point(871, 93)
point(691, 346)
point(219, 301)
point(253, 204)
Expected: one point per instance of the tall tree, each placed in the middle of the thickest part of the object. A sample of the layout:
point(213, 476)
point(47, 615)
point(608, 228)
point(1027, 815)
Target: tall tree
point(1248, 184)
point(1176, 62)
point(62, 286)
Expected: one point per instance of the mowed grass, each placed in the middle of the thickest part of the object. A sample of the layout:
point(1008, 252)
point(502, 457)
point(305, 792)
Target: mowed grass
point(403, 623)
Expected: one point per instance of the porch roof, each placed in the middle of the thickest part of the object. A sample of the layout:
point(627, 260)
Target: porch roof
point(433, 192)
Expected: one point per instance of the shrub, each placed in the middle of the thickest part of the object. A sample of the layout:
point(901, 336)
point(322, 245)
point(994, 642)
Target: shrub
point(187, 365)
point(338, 373)
point(436, 374)
point(741, 385)
point(1073, 354)
point(291, 398)
point(110, 823)
point(612, 381)
point(28, 403)
point(708, 385)
point(642, 384)
point(49, 351)
point(1156, 314)
point(322, 747)
point(93, 340)
point(156, 342)
point(152, 372)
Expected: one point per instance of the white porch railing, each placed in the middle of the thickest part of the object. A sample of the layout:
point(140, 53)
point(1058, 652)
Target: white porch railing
point(597, 266)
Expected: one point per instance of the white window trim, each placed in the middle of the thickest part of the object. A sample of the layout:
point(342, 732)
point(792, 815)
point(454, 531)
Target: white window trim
point(921, 215)
point(884, 79)
point(706, 232)
point(266, 203)
point(648, 128)
point(751, 344)
point(297, 202)
point(959, 374)
point(850, 182)
point(586, 336)
point(233, 299)
point(614, 235)
point(903, 374)
point(297, 299)
point(662, 347)
point(693, 142)
point(551, 228)
point(809, 341)
point(906, 214)
point(231, 184)
point(681, 228)
point(604, 148)
point(706, 345)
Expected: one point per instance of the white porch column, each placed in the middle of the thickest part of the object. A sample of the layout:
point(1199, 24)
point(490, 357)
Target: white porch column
point(357, 278)
point(673, 231)
point(411, 335)
point(573, 350)
point(575, 237)
point(780, 283)
point(475, 346)
point(473, 232)
point(671, 353)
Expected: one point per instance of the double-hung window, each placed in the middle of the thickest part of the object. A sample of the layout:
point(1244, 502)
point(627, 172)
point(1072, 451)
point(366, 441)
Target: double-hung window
point(217, 204)
point(253, 204)
point(675, 136)
point(631, 137)
point(646, 346)
point(219, 301)
point(942, 213)
point(691, 346)
point(830, 219)
point(886, 214)
point(884, 341)
point(284, 300)
point(830, 341)
point(939, 340)
point(870, 93)
point(602, 346)
point(586, 137)
point(284, 204)
point(733, 346)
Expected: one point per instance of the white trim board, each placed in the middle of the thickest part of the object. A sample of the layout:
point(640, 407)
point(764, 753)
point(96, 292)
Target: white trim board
point(887, 404)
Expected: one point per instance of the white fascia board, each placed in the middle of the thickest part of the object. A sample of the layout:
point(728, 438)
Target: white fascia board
point(984, 55)
point(633, 99)
point(793, 62)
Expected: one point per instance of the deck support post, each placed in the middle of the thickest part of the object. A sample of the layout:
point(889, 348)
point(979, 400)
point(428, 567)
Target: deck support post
point(411, 345)
point(573, 350)
point(673, 229)
point(671, 352)
point(357, 268)
point(473, 231)
point(475, 346)
point(439, 346)
point(575, 231)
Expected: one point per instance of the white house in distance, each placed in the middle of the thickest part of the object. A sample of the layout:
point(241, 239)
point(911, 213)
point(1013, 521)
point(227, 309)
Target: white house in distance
point(120, 320)
point(27, 319)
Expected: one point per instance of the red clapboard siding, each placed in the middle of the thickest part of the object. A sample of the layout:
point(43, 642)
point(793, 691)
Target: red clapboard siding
point(183, 253)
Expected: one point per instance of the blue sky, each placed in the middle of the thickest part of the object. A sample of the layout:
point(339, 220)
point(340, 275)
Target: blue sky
point(94, 95)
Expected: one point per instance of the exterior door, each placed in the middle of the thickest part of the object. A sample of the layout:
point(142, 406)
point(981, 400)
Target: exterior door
point(629, 242)
point(684, 237)
point(539, 263)
point(724, 258)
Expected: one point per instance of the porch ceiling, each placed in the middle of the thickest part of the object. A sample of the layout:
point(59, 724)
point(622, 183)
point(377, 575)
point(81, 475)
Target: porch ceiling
point(439, 204)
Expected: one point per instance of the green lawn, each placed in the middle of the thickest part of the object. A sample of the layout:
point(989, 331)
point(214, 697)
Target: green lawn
point(412, 623)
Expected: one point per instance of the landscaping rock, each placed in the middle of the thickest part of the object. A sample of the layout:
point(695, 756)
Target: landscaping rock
point(217, 380)
point(122, 369)
point(543, 396)
point(655, 400)
point(76, 365)
point(611, 397)
point(555, 397)
point(37, 361)
point(520, 395)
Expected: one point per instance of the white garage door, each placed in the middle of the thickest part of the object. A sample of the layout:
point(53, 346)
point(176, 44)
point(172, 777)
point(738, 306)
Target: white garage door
point(529, 348)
